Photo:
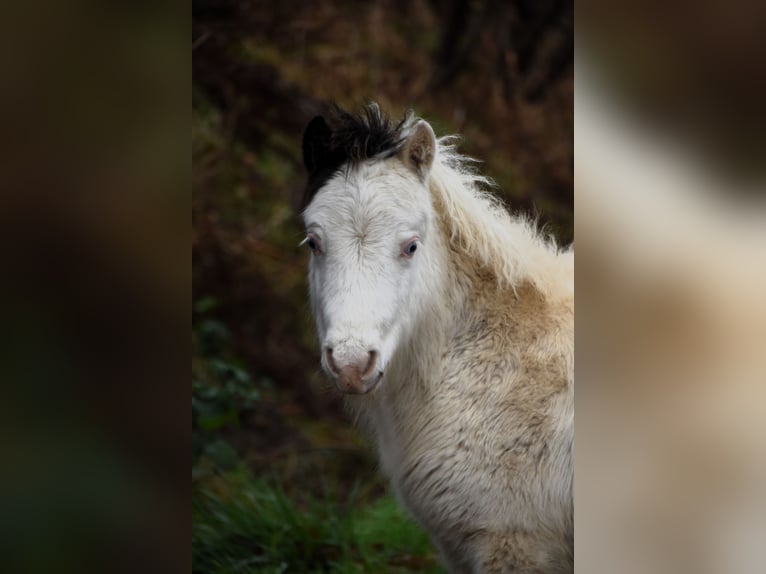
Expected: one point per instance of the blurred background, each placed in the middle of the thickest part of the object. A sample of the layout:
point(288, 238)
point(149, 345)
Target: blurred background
point(281, 481)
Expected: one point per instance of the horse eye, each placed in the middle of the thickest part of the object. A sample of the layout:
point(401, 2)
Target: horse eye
point(313, 243)
point(408, 250)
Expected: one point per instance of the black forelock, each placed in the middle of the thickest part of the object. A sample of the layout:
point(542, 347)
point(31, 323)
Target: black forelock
point(369, 134)
point(342, 137)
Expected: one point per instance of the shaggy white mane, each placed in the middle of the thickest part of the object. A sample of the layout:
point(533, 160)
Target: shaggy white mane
point(509, 246)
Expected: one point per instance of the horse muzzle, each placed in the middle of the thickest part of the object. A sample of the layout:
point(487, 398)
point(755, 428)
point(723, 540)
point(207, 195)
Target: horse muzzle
point(354, 375)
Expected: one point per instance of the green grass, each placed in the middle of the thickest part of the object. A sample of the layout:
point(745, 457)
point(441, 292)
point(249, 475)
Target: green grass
point(244, 524)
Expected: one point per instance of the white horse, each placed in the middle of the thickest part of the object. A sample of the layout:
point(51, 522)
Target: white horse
point(450, 324)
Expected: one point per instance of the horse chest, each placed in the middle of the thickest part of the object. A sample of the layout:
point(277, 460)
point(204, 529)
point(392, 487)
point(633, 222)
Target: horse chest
point(445, 467)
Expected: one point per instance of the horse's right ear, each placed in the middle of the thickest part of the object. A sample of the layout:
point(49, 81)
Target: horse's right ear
point(316, 143)
point(419, 149)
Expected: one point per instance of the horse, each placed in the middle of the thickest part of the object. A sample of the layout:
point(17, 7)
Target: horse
point(449, 325)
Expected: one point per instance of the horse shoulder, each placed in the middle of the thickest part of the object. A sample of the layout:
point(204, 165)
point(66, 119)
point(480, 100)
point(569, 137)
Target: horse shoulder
point(476, 445)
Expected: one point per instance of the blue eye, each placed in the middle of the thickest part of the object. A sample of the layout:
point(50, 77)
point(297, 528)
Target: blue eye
point(409, 248)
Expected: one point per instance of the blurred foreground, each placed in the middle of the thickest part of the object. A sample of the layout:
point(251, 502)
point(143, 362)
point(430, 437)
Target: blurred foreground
point(671, 347)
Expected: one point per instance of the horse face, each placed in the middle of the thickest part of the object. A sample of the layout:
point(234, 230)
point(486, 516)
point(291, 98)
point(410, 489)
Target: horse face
point(368, 230)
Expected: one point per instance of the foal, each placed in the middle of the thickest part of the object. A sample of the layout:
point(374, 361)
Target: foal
point(450, 325)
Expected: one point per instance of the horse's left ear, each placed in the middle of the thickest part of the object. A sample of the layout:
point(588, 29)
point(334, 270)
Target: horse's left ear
point(316, 142)
point(419, 149)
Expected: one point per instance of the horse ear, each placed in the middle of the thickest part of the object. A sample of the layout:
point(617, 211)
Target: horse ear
point(316, 143)
point(419, 149)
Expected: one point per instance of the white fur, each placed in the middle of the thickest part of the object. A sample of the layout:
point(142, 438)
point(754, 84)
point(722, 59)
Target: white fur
point(473, 415)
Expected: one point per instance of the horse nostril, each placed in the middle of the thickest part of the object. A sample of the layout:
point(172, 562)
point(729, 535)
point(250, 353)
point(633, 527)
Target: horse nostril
point(371, 362)
point(330, 361)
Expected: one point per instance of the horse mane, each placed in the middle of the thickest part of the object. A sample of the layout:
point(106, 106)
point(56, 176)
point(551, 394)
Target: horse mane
point(510, 247)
